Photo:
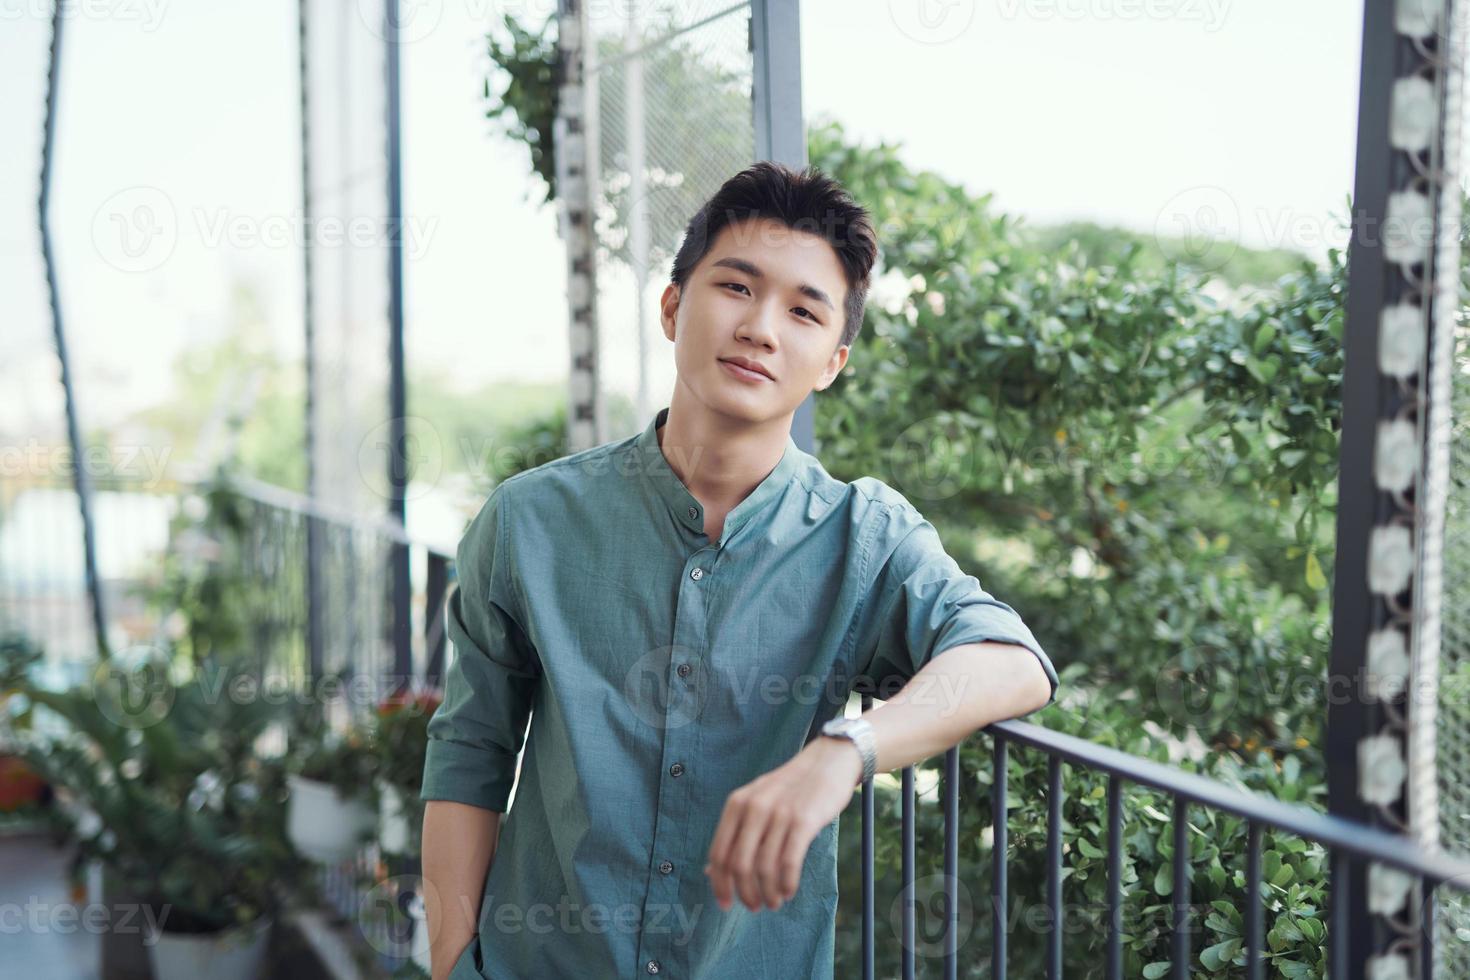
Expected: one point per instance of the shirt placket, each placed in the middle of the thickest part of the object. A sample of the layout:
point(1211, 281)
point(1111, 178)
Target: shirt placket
point(679, 769)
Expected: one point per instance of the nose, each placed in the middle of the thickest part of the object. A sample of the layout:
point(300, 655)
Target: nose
point(760, 326)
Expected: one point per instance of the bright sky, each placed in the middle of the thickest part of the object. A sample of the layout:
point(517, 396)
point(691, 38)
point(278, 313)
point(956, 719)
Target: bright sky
point(1062, 108)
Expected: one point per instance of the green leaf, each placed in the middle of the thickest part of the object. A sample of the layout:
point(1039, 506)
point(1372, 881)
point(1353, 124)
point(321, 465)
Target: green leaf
point(1164, 880)
point(1157, 969)
point(1216, 957)
point(1315, 579)
point(1264, 335)
point(1270, 864)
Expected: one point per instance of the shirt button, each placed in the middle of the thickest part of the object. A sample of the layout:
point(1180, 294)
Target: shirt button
point(693, 513)
point(697, 574)
point(653, 966)
point(677, 769)
point(684, 670)
point(666, 867)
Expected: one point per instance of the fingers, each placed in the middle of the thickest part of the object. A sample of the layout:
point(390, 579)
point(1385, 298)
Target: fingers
point(793, 857)
point(759, 850)
point(770, 869)
point(755, 819)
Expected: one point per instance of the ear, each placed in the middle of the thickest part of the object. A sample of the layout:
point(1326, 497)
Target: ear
point(834, 367)
point(668, 309)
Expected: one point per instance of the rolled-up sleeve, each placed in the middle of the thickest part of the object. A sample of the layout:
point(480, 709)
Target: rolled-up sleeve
point(476, 734)
point(920, 604)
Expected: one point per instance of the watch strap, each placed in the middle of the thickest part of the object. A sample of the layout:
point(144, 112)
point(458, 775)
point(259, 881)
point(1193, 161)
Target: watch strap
point(859, 731)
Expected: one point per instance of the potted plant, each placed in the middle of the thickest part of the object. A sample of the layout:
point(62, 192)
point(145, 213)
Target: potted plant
point(330, 808)
point(400, 739)
point(185, 822)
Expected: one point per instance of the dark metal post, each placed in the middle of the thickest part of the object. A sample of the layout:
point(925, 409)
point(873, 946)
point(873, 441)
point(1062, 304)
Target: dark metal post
point(80, 478)
point(1385, 589)
point(436, 590)
point(780, 129)
point(397, 383)
point(313, 596)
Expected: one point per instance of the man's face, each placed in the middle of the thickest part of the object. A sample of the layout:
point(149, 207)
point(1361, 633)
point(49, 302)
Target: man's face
point(767, 294)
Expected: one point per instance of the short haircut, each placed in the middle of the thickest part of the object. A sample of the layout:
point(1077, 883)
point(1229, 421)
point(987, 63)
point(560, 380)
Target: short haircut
point(808, 201)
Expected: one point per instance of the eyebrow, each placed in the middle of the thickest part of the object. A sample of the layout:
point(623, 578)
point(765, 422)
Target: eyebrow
point(754, 271)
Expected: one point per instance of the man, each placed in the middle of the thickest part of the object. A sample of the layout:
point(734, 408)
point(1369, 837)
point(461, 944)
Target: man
point(679, 614)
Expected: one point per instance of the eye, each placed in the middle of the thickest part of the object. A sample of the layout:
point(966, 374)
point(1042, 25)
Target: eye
point(809, 313)
point(737, 285)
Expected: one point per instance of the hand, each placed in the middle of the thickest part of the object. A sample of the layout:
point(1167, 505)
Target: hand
point(767, 825)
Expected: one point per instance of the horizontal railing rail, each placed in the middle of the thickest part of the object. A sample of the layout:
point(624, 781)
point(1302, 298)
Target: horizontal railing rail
point(1344, 840)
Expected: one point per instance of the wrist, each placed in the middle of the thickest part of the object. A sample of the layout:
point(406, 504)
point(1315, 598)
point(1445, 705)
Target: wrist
point(840, 754)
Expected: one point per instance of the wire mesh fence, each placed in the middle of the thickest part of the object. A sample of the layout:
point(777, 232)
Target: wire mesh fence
point(345, 141)
point(673, 121)
point(1453, 697)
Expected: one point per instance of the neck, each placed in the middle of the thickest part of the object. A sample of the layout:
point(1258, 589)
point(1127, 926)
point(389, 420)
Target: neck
point(719, 458)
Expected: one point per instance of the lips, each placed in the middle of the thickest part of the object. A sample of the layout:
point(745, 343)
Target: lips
point(749, 365)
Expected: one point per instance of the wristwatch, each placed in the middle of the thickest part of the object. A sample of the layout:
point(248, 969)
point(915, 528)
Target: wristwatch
point(860, 732)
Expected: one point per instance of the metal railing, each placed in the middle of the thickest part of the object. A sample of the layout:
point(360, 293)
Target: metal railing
point(1345, 840)
point(43, 594)
point(353, 600)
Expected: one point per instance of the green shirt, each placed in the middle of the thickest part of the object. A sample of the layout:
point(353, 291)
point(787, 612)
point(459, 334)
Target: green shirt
point(661, 671)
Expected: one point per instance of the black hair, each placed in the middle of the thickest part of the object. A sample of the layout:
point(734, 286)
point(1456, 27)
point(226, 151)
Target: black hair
point(808, 201)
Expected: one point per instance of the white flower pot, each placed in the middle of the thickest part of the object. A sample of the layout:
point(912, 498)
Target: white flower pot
point(394, 833)
point(323, 825)
point(231, 954)
point(419, 951)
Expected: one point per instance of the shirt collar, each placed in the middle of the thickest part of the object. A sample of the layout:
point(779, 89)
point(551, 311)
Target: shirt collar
point(683, 505)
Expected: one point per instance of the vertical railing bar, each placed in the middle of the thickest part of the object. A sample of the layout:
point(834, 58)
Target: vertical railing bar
point(1426, 925)
point(1115, 878)
point(868, 820)
point(436, 592)
point(908, 873)
point(400, 665)
point(998, 826)
point(1054, 866)
point(1337, 955)
point(1255, 910)
point(951, 862)
point(1180, 954)
point(314, 530)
